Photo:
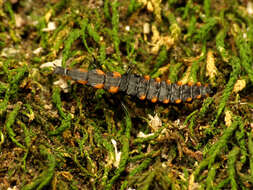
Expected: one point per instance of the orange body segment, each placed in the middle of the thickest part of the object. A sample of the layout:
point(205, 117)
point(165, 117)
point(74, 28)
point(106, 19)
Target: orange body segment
point(178, 101)
point(84, 82)
point(157, 79)
point(179, 83)
point(99, 86)
point(116, 75)
point(147, 77)
point(190, 83)
point(189, 99)
point(143, 97)
point(113, 89)
point(82, 70)
point(198, 83)
point(166, 101)
point(154, 100)
point(168, 82)
point(100, 72)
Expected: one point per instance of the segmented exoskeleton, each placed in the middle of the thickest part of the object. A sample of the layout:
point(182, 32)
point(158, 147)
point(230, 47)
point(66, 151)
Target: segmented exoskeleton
point(143, 87)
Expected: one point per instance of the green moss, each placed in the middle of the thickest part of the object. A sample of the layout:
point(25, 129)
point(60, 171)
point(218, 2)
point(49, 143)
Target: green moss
point(174, 71)
point(115, 28)
point(93, 33)
point(106, 9)
point(74, 34)
point(66, 118)
point(250, 145)
point(161, 59)
point(204, 31)
point(59, 6)
point(220, 42)
point(229, 87)
point(8, 125)
point(216, 148)
point(84, 24)
point(207, 7)
point(137, 170)
point(189, 5)
point(240, 137)
point(231, 167)
point(46, 176)
point(191, 28)
point(245, 54)
point(125, 150)
point(133, 5)
point(211, 176)
point(222, 184)
point(196, 64)
point(149, 138)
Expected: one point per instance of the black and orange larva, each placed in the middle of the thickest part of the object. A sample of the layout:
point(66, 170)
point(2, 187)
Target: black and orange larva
point(142, 87)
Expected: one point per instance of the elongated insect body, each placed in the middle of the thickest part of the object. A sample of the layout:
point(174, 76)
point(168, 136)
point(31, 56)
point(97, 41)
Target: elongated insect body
point(143, 87)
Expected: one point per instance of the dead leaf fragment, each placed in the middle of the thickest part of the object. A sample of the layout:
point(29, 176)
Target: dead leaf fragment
point(211, 70)
point(239, 85)
point(228, 118)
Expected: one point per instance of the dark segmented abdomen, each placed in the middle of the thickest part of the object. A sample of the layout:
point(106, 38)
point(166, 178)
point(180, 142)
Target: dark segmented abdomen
point(96, 78)
point(163, 92)
point(153, 90)
point(134, 85)
point(186, 93)
point(143, 87)
point(123, 83)
point(78, 74)
point(175, 95)
point(112, 81)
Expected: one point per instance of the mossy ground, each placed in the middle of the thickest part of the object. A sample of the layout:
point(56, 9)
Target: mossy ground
point(55, 138)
